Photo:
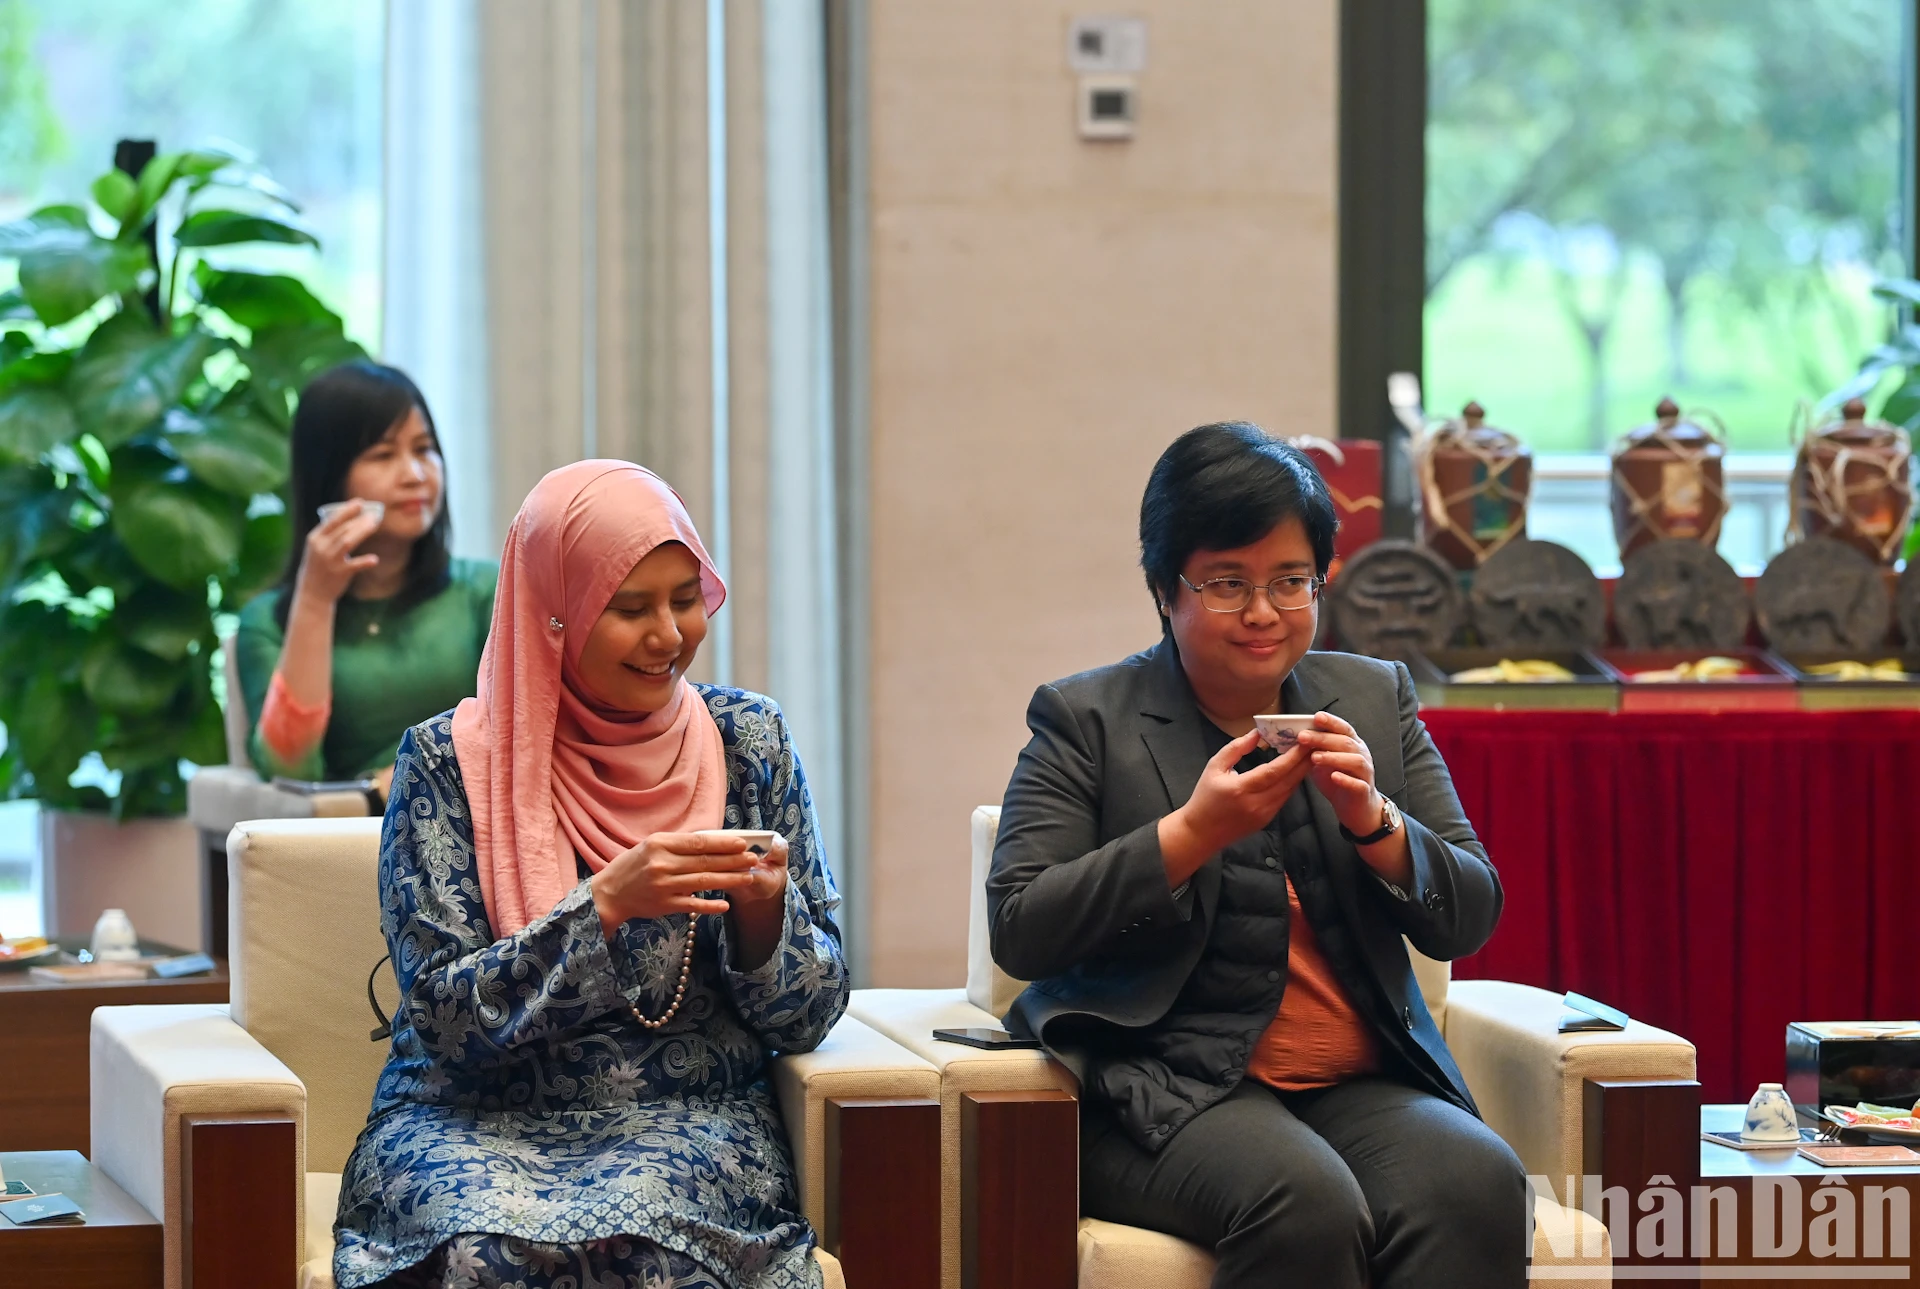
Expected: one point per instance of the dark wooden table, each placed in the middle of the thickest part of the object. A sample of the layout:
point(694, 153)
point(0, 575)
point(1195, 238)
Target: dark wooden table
point(119, 1247)
point(44, 1103)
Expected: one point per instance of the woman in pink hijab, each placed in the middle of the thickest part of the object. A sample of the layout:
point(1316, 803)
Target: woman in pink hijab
point(591, 982)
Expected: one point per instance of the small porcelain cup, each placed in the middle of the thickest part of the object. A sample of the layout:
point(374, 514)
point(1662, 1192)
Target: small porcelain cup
point(759, 841)
point(1281, 732)
point(114, 939)
point(1770, 1117)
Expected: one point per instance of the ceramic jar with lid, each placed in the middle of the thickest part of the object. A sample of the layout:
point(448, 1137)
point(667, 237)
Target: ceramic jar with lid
point(1852, 481)
point(1669, 481)
point(1474, 483)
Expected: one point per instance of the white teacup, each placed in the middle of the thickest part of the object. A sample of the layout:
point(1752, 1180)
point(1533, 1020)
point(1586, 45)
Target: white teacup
point(377, 510)
point(1282, 732)
point(759, 840)
point(1770, 1117)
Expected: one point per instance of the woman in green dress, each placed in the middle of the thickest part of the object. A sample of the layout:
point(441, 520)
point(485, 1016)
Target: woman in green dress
point(374, 627)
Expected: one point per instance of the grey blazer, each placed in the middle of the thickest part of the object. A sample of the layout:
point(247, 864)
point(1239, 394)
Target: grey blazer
point(1077, 898)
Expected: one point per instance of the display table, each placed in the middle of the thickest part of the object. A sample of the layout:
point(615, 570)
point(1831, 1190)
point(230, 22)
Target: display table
point(1718, 875)
point(44, 1099)
point(119, 1246)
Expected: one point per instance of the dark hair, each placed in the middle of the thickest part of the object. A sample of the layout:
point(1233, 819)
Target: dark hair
point(1222, 486)
point(343, 412)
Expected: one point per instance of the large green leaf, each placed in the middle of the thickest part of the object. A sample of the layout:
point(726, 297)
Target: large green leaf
point(54, 726)
point(48, 226)
point(33, 519)
point(116, 193)
point(263, 557)
point(98, 559)
point(35, 414)
point(257, 300)
point(283, 359)
point(1903, 405)
point(228, 227)
point(123, 680)
point(33, 419)
point(174, 526)
point(234, 450)
point(66, 273)
point(129, 373)
point(155, 178)
point(164, 623)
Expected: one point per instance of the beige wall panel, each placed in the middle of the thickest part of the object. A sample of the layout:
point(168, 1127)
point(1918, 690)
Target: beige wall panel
point(1046, 315)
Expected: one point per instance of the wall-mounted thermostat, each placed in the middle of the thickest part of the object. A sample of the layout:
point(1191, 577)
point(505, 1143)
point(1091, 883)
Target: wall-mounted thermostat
point(1104, 44)
point(1108, 107)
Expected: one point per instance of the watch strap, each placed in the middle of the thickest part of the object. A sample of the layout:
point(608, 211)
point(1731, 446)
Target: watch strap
point(1389, 825)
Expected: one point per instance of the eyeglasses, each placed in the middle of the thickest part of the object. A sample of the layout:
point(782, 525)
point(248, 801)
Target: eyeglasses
point(1233, 594)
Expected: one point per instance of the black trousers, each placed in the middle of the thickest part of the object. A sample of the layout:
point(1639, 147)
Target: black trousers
point(1369, 1183)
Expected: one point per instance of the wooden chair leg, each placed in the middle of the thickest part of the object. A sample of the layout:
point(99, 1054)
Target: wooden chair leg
point(883, 1191)
point(240, 1208)
point(1019, 1190)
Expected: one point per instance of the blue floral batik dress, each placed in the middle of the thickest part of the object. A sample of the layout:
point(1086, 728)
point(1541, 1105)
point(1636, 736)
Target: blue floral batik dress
point(526, 1130)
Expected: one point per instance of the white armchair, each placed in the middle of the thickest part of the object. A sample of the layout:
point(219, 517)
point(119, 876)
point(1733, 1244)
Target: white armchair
point(220, 796)
point(1527, 1078)
point(234, 1123)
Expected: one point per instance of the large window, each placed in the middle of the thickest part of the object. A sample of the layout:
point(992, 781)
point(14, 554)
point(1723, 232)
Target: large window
point(297, 84)
point(1646, 197)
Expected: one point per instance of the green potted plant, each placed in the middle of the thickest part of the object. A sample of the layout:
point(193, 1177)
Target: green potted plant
point(1898, 355)
point(144, 409)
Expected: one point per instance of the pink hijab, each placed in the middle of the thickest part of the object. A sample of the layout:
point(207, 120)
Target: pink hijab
point(549, 771)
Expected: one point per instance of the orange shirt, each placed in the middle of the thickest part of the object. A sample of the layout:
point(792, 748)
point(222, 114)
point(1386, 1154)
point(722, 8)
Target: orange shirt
point(1318, 1038)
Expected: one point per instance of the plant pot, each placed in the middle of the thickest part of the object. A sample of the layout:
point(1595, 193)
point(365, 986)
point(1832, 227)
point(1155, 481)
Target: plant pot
point(149, 867)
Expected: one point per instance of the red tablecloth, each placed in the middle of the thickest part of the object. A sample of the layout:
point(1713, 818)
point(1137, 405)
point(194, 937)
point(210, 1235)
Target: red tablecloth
point(1717, 875)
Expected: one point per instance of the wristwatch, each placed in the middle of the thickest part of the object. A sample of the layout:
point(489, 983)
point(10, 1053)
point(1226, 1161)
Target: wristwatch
point(1389, 825)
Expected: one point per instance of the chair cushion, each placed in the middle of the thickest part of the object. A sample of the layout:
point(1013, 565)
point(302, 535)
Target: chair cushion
point(305, 910)
point(993, 990)
point(1113, 1256)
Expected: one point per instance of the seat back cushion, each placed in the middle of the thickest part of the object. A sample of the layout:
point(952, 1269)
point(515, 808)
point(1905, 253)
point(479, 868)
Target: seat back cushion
point(988, 988)
point(993, 990)
point(239, 725)
point(304, 908)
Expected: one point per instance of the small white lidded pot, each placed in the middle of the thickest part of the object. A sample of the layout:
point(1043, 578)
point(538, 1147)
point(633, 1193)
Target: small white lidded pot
point(114, 939)
point(1770, 1117)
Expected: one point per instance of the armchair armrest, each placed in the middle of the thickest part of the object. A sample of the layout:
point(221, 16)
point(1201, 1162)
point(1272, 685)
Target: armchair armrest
point(854, 1062)
point(909, 1017)
point(154, 1072)
point(1529, 1078)
point(220, 796)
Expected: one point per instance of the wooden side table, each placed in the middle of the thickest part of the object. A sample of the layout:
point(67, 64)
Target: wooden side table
point(44, 1101)
point(119, 1247)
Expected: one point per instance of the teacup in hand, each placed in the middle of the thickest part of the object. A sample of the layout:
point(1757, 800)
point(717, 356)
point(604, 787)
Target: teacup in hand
point(1281, 732)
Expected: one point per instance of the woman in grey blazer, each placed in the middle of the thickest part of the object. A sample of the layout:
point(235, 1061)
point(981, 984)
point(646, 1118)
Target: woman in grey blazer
point(1214, 931)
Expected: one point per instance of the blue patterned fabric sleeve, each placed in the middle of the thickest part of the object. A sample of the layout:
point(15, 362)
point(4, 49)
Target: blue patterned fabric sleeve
point(793, 998)
point(468, 997)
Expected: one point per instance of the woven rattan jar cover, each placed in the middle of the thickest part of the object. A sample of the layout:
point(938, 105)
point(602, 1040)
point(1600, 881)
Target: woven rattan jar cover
point(1669, 480)
point(1852, 481)
point(1474, 483)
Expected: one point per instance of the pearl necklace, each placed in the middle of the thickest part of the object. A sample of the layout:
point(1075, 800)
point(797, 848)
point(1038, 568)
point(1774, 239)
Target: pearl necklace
point(680, 990)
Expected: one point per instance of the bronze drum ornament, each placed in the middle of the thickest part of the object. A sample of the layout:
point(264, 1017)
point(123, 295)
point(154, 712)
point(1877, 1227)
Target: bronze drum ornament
point(1394, 599)
point(1537, 596)
point(1474, 483)
point(1680, 595)
point(1669, 480)
point(1852, 481)
point(1822, 596)
point(1906, 605)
